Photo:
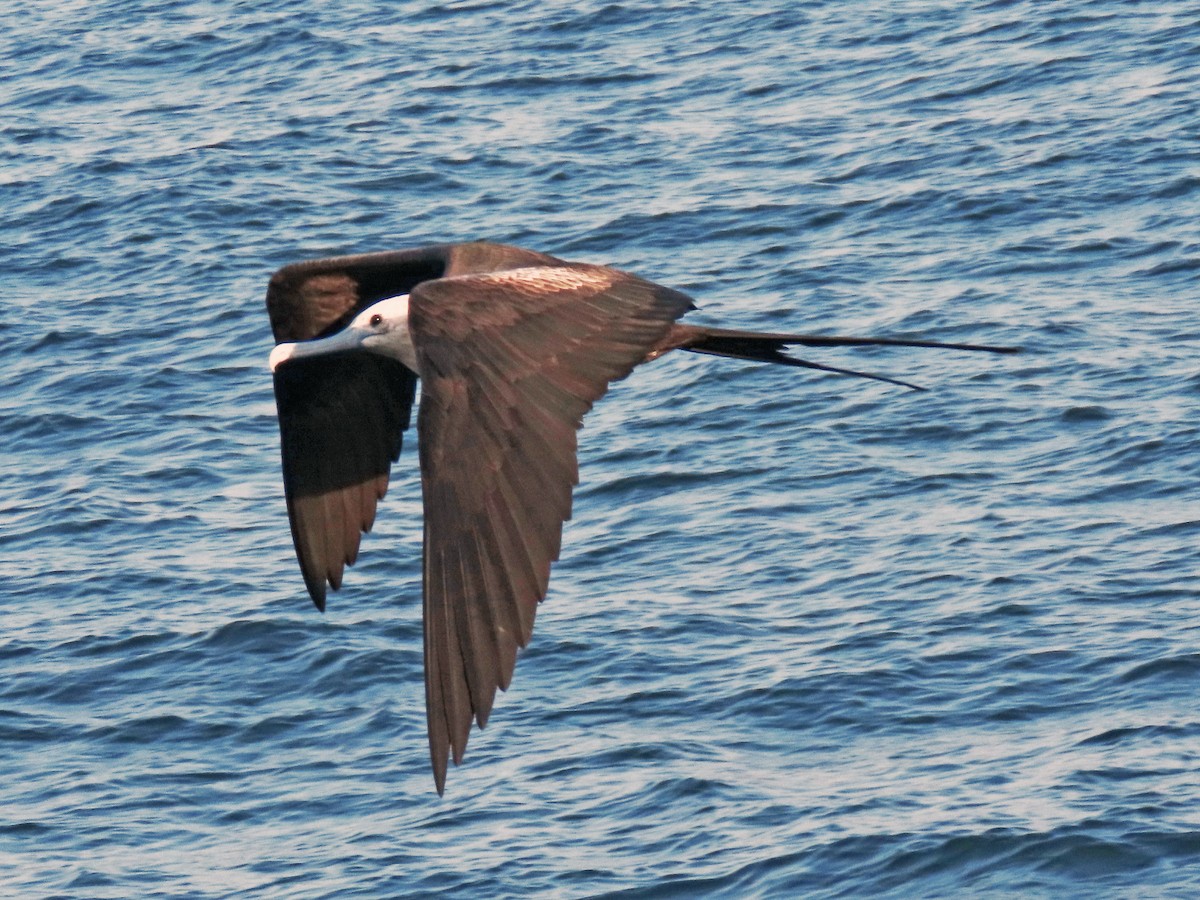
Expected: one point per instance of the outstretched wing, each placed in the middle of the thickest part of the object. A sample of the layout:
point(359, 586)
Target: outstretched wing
point(510, 363)
point(341, 421)
point(341, 417)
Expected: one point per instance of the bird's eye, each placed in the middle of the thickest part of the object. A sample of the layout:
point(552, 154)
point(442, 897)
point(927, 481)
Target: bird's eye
point(376, 320)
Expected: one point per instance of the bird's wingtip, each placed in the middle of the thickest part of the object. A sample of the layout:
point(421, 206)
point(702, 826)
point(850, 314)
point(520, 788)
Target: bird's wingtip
point(318, 598)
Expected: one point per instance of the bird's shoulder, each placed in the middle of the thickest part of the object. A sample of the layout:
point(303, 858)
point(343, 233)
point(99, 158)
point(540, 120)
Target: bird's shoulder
point(316, 297)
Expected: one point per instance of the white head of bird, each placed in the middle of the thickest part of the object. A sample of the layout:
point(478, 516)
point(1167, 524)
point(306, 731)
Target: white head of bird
point(380, 328)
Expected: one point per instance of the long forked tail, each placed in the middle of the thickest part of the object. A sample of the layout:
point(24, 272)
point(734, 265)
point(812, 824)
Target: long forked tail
point(765, 347)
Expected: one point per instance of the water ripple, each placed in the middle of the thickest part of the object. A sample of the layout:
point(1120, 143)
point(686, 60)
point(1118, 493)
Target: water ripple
point(808, 636)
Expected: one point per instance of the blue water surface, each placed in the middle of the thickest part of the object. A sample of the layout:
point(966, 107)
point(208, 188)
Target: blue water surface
point(809, 636)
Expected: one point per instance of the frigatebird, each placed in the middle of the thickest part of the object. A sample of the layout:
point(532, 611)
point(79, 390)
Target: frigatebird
point(512, 348)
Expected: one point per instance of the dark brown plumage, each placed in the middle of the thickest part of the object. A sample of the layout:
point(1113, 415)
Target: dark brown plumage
point(513, 348)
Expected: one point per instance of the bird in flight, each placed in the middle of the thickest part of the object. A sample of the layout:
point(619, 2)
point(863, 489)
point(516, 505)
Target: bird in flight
point(512, 348)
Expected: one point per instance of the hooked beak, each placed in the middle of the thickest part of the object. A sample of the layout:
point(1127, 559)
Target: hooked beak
point(350, 339)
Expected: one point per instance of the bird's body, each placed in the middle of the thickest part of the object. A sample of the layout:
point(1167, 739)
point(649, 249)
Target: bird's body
point(512, 348)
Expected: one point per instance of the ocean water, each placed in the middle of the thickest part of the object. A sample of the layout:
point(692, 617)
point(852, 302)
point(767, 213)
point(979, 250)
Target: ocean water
point(809, 636)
